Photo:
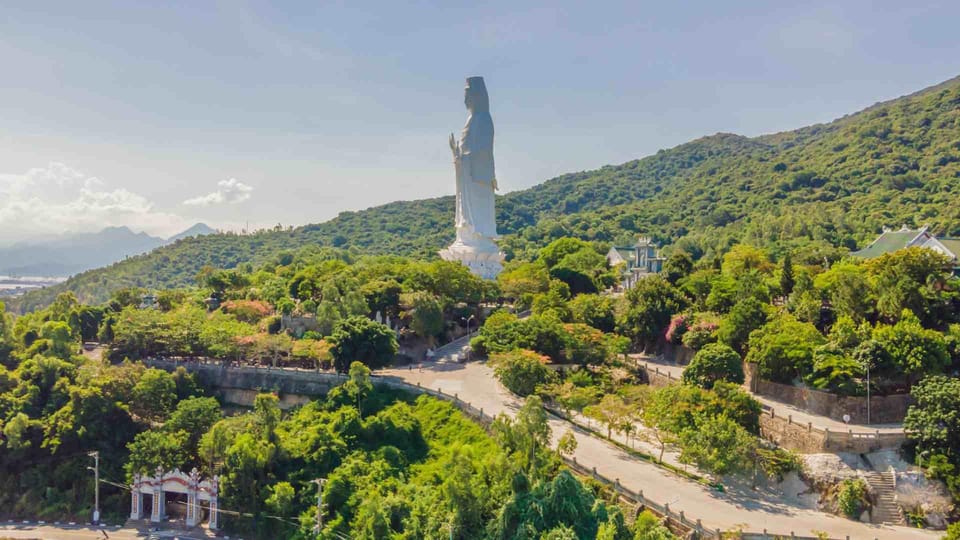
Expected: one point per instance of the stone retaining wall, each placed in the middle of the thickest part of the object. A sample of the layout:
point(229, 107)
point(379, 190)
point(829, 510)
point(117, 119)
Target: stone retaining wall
point(883, 409)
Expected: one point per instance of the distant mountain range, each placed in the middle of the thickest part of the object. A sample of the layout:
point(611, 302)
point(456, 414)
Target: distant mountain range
point(817, 191)
point(71, 254)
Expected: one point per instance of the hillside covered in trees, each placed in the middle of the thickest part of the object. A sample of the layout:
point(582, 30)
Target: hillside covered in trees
point(820, 190)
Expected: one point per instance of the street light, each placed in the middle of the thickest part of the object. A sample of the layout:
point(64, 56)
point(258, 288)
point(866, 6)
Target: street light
point(868, 392)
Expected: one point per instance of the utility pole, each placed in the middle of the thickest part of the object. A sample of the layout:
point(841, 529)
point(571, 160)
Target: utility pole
point(96, 488)
point(868, 391)
point(320, 482)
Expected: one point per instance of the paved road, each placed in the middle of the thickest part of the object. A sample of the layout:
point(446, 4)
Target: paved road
point(86, 532)
point(782, 409)
point(751, 510)
point(52, 532)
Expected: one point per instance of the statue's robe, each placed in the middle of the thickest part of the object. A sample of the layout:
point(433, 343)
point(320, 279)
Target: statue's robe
point(476, 179)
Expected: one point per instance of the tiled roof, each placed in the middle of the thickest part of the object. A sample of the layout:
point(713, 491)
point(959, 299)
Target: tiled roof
point(953, 244)
point(888, 242)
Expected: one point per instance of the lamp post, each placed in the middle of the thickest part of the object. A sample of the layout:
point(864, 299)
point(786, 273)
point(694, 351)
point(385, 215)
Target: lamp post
point(868, 392)
point(96, 488)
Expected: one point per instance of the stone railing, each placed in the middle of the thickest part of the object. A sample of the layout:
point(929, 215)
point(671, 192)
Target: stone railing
point(808, 439)
point(656, 377)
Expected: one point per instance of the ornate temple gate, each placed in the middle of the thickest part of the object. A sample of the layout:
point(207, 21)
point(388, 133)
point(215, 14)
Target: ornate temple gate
point(175, 482)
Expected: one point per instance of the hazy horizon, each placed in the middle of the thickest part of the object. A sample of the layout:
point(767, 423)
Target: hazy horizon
point(156, 117)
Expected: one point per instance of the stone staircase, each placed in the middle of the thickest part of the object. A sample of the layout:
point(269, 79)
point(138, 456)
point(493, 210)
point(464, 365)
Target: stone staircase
point(886, 509)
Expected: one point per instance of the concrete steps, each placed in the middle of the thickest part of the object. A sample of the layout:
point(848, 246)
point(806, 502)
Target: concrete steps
point(885, 509)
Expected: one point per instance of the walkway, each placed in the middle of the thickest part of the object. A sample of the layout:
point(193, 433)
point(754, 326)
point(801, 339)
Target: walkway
point(782, 409)
point(736, 508)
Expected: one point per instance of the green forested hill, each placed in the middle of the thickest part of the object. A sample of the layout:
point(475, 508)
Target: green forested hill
point(824, 189)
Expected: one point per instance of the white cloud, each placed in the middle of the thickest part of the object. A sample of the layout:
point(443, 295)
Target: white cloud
point(230, 191)
point(56, 199)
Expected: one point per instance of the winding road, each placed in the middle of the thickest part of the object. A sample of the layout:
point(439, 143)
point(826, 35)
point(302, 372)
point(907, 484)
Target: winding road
point(737, 508)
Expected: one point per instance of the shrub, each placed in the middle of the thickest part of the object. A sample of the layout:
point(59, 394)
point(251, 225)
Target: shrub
point(700, 334)
point(715, 362)
point(677, 329)
point(852, 497)
point(522, 371)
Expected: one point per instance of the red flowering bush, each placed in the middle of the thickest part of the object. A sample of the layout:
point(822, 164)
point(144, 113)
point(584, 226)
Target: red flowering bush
point(676, 330)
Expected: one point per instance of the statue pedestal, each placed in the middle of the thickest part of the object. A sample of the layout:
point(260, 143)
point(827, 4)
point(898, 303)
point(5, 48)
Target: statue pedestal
point(481, 256)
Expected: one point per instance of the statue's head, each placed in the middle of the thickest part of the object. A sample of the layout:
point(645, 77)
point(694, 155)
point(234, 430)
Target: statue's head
point(475, 95)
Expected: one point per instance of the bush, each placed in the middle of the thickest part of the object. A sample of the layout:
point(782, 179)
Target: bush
point(522, 371)
point(715, 362)
point(852, 497)
point(700, 334)
point(478, 347)
point(678, 327)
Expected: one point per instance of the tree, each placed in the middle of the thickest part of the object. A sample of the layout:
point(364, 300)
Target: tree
point(328, 316)
point(567, 445)
point(155, 395)
point(612, 412)
point(783, 348)
point(525, 434)
point(677, 266)
point(360, 339)
point(194, 416)
point(786, 275)
point(742, 259)
point(835, 372)
point(426, 314)
point(718, 445)
point(662, 419)
point(648, 526)
point(555, 301)
point(594, 310)
point(272, 347)
point(358, 384)
point(522, 371)
point(315, 351)
point(155, 448)
point(555, 251)
point(932, 421)
point(715, 362)
point(912, 349)
point(913, 279)
point(266, 414)
point(651, 304)
point(519, 279)
point(281, 498)
point(847, 287)
point(745, 317)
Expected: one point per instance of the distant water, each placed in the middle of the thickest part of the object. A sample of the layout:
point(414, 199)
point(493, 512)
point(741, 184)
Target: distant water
point(14, 285)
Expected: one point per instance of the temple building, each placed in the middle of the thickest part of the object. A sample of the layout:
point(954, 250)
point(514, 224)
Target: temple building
point(639, 261)
point(891, 240)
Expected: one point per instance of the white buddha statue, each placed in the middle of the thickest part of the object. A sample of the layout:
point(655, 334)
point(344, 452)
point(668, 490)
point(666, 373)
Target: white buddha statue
point(476, 182)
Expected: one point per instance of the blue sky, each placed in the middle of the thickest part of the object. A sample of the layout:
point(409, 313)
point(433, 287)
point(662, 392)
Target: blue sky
point(157, 115)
